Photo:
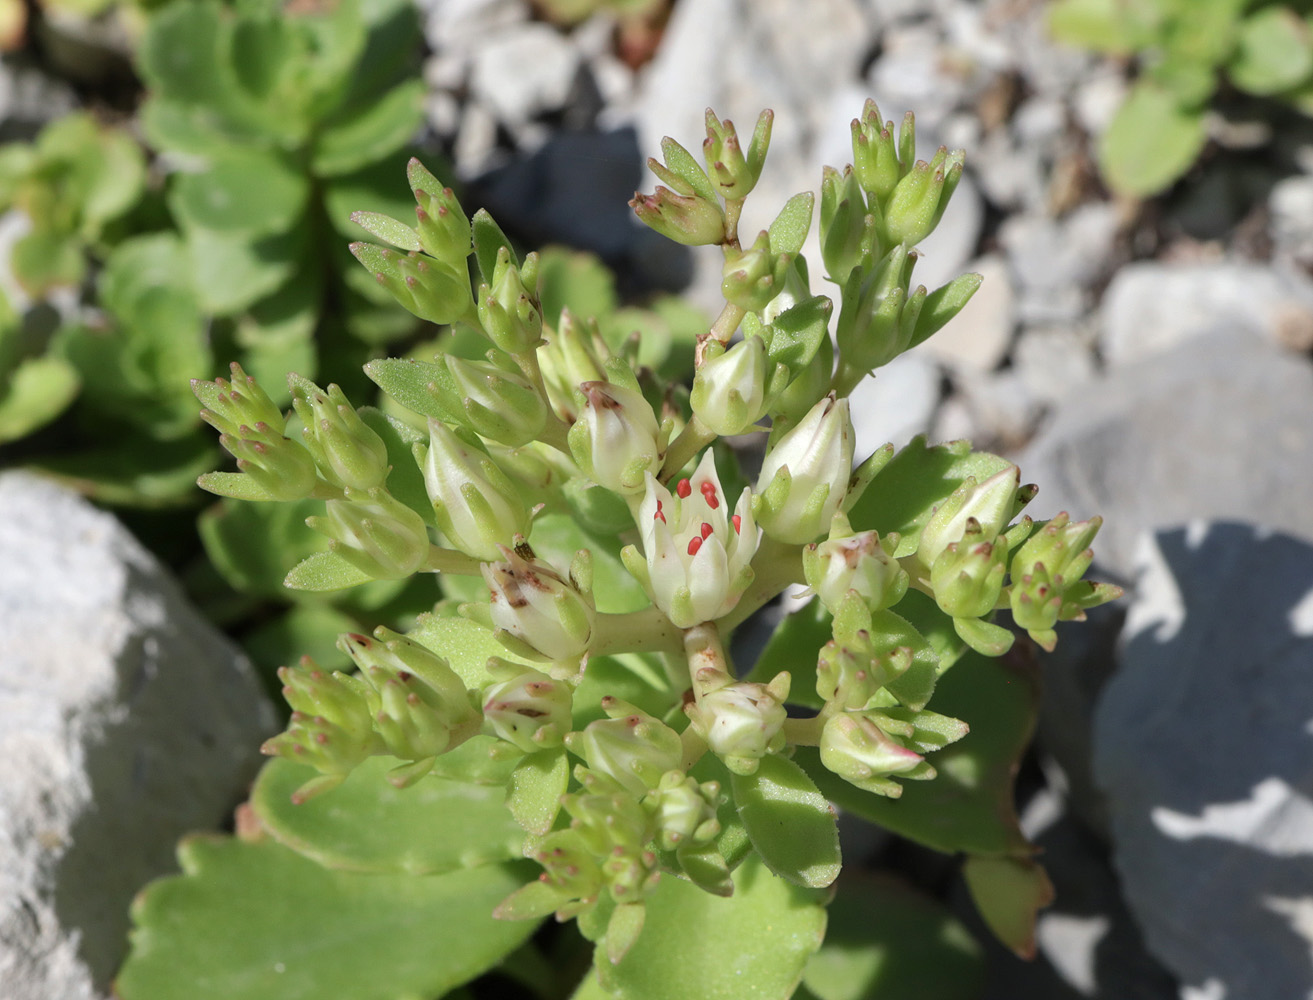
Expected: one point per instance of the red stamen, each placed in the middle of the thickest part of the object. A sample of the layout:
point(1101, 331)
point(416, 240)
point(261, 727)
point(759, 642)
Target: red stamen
point(684, 488)
point(709, 495)
point(706, 530)
point(659, 515)
point(694, 544)
point(738, 523)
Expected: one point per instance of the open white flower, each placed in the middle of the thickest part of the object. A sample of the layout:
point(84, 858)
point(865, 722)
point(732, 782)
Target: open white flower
point(696, 554)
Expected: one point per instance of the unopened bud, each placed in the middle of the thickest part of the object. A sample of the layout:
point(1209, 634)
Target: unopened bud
point(228, 406)
point(684, 810)
point(849, 229)
point(990, 504)
point(347, 452)
point(476, 506)
point(875, 153)
point(431, 289)
point(751, 278)
point(443, 228)
point(742, 722)
point(508, 309)
point(729, 389)
point(967, 577)
point(859, 751)
point(629, 746)
point(375, 532)
point(850, 674)
point(573, 353)
point(493, 402)
point(526, 707)
point(918, 202)
point(731, 169)
point(863, 563)
point(1046, 577)
point(805, 474)
point(533, 604)
point(616, 439)
point(278, 465)
point(688, 219)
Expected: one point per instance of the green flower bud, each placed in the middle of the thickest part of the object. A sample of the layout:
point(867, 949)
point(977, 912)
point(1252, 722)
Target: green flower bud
point(849, 229)
point(918, 202)
point(876, 317)
point(752, 277)
point(570, 884)
point(742, 722)
point(533, 604)
point(684, 810)
point(331, 726)
point(431, 289)
point(805, 474)
point(443, 228)
point(494, 402)
point(278, 465)
point(859, 751)
point(508, 310)
point(347, 452)
point(863, 563)
point(875, 154)
point(967, 576)
point(1046, 577)
point(850, 674)
point(734, 172)
point(376, 533)
point(991, 505)
point(729, 389)
point(629, 746)
point(477, 508)
point(616, 439)
point(573, 353)
point(688, 219)
point(526, 707)
point(228, 406)
point(607, 818)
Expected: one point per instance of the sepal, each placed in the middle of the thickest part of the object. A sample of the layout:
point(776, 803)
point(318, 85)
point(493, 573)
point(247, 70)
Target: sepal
point(374, 532)
point(526, 707)
point(534, 604)
point(733, 170)
point(629, 746)
point(477, 508)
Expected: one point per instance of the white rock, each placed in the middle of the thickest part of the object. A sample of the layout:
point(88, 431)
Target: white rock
point(1055, 263)
point(1201, 746)
point(524, 71)
point(1051, 361)
point(895, 405)
point(1150, 308)
point(1291, 208)
point(977, 339)
point(126, 721)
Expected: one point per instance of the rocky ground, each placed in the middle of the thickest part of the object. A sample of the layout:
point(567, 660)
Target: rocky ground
point(1146, 362)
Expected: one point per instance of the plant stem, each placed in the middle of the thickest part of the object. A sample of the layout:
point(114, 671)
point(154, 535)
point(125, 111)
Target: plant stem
point(733, 209)
point(727, 322)
point(692, 439)
point(805, 732)
point(707, 665)
point(442, 560)
point(636, 632)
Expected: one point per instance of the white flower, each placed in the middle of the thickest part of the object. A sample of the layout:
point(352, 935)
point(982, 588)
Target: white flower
point(697, 553)
point(805, 475)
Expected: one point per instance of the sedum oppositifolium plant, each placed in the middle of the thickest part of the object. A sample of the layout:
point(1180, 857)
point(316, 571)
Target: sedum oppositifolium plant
point(567, 734)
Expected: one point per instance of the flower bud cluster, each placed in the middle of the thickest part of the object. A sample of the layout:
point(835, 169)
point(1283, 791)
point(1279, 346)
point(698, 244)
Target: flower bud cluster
point(1046, 577)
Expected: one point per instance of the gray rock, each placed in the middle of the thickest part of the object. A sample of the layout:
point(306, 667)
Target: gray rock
point(524, 71)
point(1003, 411)
point(1052, 361)
point(1201, 745)
point(125, 721)
point(1290, 206)
point(978, 337)
point(1056, 262)
point(1219, 428)
point(947, 251)
point(1151, 307)
point(895, 405)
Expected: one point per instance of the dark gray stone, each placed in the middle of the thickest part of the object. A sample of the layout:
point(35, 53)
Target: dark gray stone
point(1202, 749)
point(126, 721)
point(1219, 428)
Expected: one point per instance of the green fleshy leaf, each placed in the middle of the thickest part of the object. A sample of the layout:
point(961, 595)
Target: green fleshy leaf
point(255, 546)
point(1274, 52)
point(250, 921)
point(367, 825)
point(888, 941)
point(388, 229)
point(369, 131)
point(488, 241)
point(904, 493)
point(405, 482)
point(790, 823)
point(324, 571)
point(150, 474)
point(750, 946)
point(1009, 892)
point(1102, 25)
point(35, 393)
point(914, 688)
point(236, 485)
point(924, 615)
point(380, 187)
point(942, 305)
point(633, 677)
point(464, 644)
point(557, 537)
point(797, 333)
point(43, 260)
point(407, 382)
point(789, 230)
point(231, 270)
point(249, 192)
point(309, 629)
point(179, 54)
point(1150, 142)
point(536, 787)
point(969, 805)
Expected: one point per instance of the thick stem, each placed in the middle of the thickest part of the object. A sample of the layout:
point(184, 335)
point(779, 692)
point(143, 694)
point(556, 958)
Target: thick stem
point(727, 322)
point(805, 732)
point(733, 209)
point(692, 439)
point(636, 632)
point(442, 560)
point(556, 433)
point(776, 565)
point(708, 667)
